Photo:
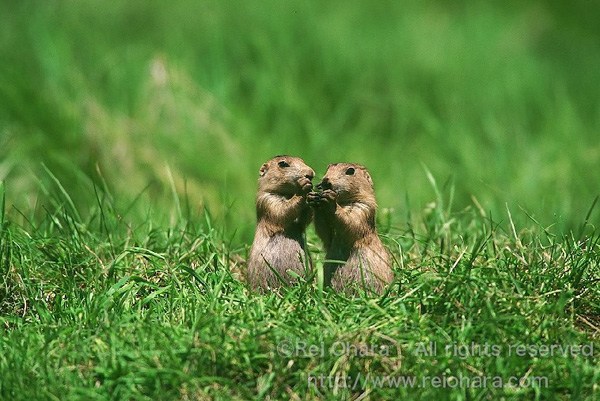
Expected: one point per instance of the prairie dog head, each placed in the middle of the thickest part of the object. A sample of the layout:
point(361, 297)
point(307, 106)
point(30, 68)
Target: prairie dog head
point(285, 175)
point(352, 182)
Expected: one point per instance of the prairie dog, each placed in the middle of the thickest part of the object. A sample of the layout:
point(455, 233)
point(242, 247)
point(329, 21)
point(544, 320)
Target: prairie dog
point(345, 222)
point(282, 215)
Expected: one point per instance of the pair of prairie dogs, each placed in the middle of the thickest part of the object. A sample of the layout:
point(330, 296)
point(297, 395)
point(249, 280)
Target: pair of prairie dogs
point(344, 217)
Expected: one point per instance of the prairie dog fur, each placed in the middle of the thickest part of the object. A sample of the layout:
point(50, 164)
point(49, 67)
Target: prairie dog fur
point(282, 216)
point(345, 222)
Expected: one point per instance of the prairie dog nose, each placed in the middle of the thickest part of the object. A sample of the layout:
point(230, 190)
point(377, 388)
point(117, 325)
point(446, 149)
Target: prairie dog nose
point(324, 184)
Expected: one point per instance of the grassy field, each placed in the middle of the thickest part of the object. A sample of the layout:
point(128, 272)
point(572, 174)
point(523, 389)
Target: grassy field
point(131, 134)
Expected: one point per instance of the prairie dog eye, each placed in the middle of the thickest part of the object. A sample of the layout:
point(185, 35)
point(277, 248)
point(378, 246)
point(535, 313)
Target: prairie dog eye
point(283, 163)
point(350, 171)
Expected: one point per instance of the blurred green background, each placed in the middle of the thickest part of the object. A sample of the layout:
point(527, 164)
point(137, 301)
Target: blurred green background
point(498, 100)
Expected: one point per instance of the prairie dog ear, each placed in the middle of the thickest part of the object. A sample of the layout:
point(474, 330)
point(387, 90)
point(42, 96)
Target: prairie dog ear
point(369, 177)
point(263, 169)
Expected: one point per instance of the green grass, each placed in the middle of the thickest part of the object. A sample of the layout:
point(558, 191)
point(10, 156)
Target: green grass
point(101, 308)
point(500, 98)
point(131, 134)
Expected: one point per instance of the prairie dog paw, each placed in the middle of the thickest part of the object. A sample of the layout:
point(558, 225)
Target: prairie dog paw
point(329, 195)
point(313, 198)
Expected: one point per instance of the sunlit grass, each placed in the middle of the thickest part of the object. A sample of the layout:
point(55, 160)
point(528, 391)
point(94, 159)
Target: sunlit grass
point(103, 308)
point(131, 134)
point(499, 99)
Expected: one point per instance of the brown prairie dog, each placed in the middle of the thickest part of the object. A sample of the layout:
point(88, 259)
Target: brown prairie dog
point(345, 222)
point(282, 216)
